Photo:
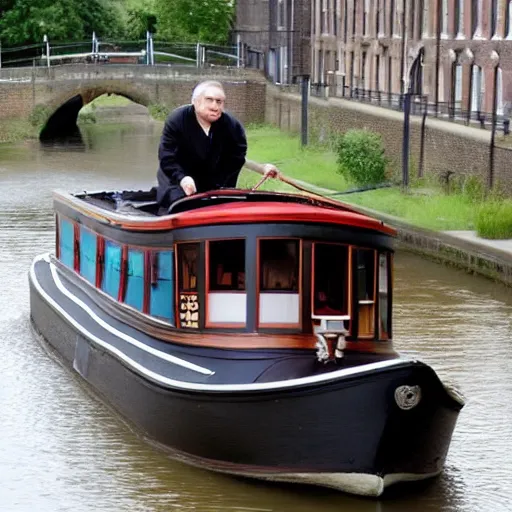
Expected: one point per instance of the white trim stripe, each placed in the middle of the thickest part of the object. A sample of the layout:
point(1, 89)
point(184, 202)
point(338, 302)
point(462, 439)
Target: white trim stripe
point(192, 386)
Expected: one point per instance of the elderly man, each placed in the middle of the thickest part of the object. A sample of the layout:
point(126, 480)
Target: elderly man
point(202, 147)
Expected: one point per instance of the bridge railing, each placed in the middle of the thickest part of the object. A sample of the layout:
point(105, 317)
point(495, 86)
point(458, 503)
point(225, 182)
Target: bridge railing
point(106, 51)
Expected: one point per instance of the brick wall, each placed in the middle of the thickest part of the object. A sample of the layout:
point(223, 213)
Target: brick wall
point(23, 89)
point(447, 146)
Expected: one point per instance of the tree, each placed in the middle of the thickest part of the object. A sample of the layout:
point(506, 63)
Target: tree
point(141, 17)
point(207, 21)
point(27, 21)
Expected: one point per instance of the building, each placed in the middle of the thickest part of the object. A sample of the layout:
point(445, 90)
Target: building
point(276, 36)
point(457, 53)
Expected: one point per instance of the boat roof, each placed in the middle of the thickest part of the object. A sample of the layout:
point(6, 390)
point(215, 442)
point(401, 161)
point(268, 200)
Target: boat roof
point(230, 206)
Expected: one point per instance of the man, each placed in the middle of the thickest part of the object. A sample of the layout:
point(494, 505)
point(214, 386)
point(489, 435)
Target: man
point(202, 147)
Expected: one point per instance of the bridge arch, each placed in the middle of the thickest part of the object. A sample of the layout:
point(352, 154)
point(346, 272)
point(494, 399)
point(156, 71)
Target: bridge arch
point(61, 111)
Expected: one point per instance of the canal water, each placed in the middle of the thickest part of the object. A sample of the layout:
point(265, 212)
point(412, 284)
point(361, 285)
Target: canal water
point(62, 450)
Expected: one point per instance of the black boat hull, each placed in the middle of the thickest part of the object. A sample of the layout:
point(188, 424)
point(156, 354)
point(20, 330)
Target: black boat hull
point(352, 433)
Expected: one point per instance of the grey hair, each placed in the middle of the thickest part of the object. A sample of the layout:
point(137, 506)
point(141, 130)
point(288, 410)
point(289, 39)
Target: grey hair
point(200, 88)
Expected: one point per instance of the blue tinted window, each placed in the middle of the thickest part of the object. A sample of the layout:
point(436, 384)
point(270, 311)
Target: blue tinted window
point(88, 244)
point(135, 279)
point(162, 287)
point(112, 269)
point(66, 242)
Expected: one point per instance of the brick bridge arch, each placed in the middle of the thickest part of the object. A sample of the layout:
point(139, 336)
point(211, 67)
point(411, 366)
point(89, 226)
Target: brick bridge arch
point(27, 93)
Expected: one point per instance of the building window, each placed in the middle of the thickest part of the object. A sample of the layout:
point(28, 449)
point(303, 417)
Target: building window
point(281, 14)
point(392, 15)
point(493, 17)
point(66, 242)
point(457, 90)
point(508, 23)
point(459, 19)
point(425, 19)
point(335, 20)
point(324, 29)
point(279, 275)
point(476, 18)
point(499, 92)
point(477, 88)
point(444, 19)
point(366, 17)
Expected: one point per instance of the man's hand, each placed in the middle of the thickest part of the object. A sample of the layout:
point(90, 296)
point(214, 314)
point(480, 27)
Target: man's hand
point(188, 185)
point(271, 171)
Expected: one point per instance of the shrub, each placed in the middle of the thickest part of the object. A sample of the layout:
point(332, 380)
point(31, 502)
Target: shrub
point(361, 157)
point(494, 220)
point(86, 117)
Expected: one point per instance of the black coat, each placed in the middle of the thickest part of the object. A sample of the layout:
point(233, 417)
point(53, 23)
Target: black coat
point(213, 161)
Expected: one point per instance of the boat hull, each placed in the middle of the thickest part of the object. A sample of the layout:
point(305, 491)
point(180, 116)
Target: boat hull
point(348, 433)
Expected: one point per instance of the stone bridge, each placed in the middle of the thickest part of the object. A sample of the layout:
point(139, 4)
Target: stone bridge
point(58, 93)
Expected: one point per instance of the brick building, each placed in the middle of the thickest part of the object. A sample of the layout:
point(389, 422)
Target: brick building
point(276, 35)
point(458, 53)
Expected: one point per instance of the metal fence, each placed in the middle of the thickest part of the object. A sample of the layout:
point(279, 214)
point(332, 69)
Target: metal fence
point(420, 105)
point(107, 51)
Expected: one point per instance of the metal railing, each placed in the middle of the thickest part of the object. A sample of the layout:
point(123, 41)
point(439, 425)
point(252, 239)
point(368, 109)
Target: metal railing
point(104, 51)
point(420, 105)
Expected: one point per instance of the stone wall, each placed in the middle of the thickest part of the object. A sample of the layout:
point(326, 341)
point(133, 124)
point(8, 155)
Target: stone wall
point(447, 146)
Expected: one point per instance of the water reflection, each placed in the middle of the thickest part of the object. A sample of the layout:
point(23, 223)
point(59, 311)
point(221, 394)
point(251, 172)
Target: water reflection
point(62, 450)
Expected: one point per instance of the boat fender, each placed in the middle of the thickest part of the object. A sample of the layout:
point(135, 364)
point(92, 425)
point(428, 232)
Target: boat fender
point(407, 397)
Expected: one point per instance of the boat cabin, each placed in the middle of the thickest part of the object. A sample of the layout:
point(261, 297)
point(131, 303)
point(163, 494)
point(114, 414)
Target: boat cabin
point(233, 262)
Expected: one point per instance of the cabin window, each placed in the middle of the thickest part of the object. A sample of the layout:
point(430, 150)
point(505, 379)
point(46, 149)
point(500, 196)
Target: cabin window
point(384, 283)
point(134, 295)
point(330, 280)
point(88, 247)
point(279, 297)
point(227, 300)
point(66, 242)
point(112, 269)
point(161, 303)
point(365, 291)
point(188, 267)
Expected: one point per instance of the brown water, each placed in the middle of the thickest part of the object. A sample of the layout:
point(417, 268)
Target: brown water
point(61, 450)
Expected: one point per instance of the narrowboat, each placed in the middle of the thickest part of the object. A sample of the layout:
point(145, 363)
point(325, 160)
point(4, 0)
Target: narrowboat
point(245, 332)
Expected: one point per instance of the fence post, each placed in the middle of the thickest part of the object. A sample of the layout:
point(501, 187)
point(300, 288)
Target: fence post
point(0, 54)
point(93, 49)
point(304, 105)
point(47, 43)
point(405, 142)
point(198, 55)
point(238, 52)
point(151, 49)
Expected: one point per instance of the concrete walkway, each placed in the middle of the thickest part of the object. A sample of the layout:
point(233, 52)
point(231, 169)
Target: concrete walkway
point(471, 236)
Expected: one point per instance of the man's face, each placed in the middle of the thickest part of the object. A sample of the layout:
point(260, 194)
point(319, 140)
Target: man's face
point(210, 105)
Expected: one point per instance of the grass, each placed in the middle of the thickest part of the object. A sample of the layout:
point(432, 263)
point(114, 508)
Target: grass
point(494, 220)
point(424, 205)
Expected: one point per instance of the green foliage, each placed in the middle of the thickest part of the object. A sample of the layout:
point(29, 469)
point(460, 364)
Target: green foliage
point(27, 21)
point(194, 20)
point(361, 157)
point(39, 116)
point(473, 188)
point(494, 220)
point(141, 17)
point(158, 111)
